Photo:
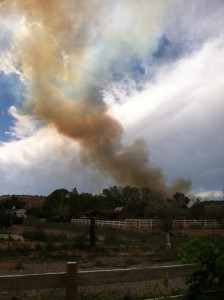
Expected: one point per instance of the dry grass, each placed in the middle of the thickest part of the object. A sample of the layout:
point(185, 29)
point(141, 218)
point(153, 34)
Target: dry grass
point(135, 254)
point(31, 201)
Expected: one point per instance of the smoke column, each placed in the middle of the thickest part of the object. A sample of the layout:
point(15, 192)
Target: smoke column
point(68, 51)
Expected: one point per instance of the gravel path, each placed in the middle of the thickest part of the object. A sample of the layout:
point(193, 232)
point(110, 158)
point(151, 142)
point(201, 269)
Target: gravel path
point(160, 287)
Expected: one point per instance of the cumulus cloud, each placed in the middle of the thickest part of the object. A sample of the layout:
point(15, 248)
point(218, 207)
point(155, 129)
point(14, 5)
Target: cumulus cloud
point(43, 161)
point(23, 126)
point(180, 114)
point(193, 22)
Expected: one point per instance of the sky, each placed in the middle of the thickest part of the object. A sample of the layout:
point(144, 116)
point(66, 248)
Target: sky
point(112, 93)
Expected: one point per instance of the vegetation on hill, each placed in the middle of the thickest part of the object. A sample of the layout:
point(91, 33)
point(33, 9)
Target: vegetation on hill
point(136, 202)
point(30, 200)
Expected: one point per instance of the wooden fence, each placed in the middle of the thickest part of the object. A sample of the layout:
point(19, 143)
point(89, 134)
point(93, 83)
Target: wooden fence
point(154, 223)
point(72, 279)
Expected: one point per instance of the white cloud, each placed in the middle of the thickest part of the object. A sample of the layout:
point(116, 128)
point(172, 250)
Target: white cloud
point(7, 63)
point(42, 162)
point(190, 23)
point(180, 114)
point(23, 126)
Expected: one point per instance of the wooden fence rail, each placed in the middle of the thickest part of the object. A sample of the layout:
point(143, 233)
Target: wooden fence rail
point(71, 279)
point(154, 223)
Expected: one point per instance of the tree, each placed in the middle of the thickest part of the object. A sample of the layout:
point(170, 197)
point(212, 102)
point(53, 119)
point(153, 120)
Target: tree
point(170, 209)
point(85, 202)
point(73, 200)
point(6, 220)
point(114, 196)
point(138, 201)
point(57, 203)
point(13, 202)
point(34, 212)
point(197, 210)
point(222, 194)
point(179, 203)
point(214, 211)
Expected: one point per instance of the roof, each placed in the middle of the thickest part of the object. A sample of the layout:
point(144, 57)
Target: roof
point(118, 209)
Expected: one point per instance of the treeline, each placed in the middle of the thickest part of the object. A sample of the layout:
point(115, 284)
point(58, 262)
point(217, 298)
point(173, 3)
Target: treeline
point(137, 202)
point(7, 206)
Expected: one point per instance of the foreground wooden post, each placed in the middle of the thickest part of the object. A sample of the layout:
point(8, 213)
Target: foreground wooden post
point(71, 280)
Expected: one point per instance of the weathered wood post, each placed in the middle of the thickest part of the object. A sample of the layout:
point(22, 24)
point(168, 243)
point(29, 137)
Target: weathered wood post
point(167, 225)
point(92, 236)
point(71, 280)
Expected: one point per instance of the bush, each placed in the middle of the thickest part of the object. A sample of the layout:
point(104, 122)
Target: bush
point(112, 240)
point(18, 220)
point(19, 266)
point(23, 249)
point(59, 219)
point(38, 247)
point(208, 253)
point(35, 235)
point(51, 246)
point(40, 235)
point(81, 242)
point(58, 238)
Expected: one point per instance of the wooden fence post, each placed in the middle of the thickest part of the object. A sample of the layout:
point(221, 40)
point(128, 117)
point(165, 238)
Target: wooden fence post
point(71, 280)
point(92, 235)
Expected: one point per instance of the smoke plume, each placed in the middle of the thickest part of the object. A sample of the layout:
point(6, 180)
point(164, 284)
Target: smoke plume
point(68, 52)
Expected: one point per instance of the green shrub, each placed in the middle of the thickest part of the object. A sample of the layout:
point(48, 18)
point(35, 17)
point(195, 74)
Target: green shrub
point(81, 242)
point(66, 245)
point(22, 249)
point(51, 246)
point(99, 264)
point(208, 253)
point(59, 255)
point(58, 219)
point(35, 235)
point(19, 266)
point(112, 240)
point(38, 247)
point(40, 235)
point(57, 238)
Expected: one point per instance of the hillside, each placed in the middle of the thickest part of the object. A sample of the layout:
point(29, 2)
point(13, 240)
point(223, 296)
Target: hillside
point(31, 201)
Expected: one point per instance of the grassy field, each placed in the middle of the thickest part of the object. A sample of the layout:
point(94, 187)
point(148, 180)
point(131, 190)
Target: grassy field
point(47, 248)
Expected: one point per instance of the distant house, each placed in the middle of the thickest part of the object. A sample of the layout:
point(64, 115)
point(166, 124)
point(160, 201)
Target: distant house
point(119, 213)
point(19, 213)
point(96, 214)
point(122, 213)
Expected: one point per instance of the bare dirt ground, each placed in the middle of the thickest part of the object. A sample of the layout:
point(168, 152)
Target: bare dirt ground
point(151, 252)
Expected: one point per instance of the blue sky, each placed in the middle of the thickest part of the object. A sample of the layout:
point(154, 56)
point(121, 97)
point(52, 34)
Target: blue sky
point(12, 93)
point(161, 78)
